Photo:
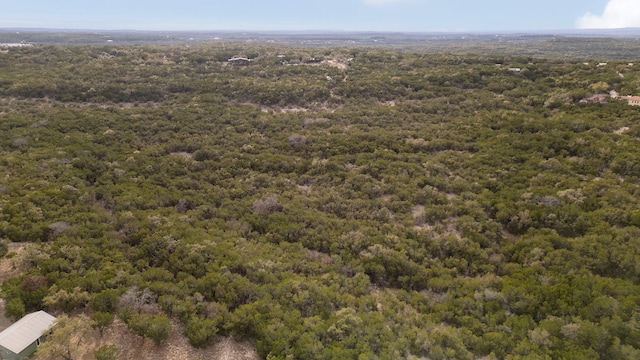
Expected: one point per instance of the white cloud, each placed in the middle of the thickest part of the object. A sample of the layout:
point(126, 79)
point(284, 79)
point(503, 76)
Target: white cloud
point(617, 14)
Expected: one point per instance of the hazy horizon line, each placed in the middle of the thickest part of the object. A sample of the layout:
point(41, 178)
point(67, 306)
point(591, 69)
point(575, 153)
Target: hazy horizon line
point(325, 31)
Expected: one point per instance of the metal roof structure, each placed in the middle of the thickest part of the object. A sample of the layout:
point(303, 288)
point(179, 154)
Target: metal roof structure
point(238, 58)
point(25, 331)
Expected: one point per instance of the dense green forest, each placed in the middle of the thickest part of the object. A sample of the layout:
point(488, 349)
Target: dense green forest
point(326, 203)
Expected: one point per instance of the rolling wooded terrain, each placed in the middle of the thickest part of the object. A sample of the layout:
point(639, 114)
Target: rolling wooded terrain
point(327, 203)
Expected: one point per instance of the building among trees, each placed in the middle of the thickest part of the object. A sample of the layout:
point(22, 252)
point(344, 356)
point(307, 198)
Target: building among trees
point(633, 100)
point(22, 338)
point(239, 60)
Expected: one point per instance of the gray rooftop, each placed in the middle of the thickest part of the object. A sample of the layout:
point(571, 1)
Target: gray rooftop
point(25, 331)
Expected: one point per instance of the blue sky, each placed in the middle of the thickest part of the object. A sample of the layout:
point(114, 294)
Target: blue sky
point(347, 15)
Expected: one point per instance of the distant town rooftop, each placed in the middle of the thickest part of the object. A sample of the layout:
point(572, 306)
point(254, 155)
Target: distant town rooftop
point(14, 45)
